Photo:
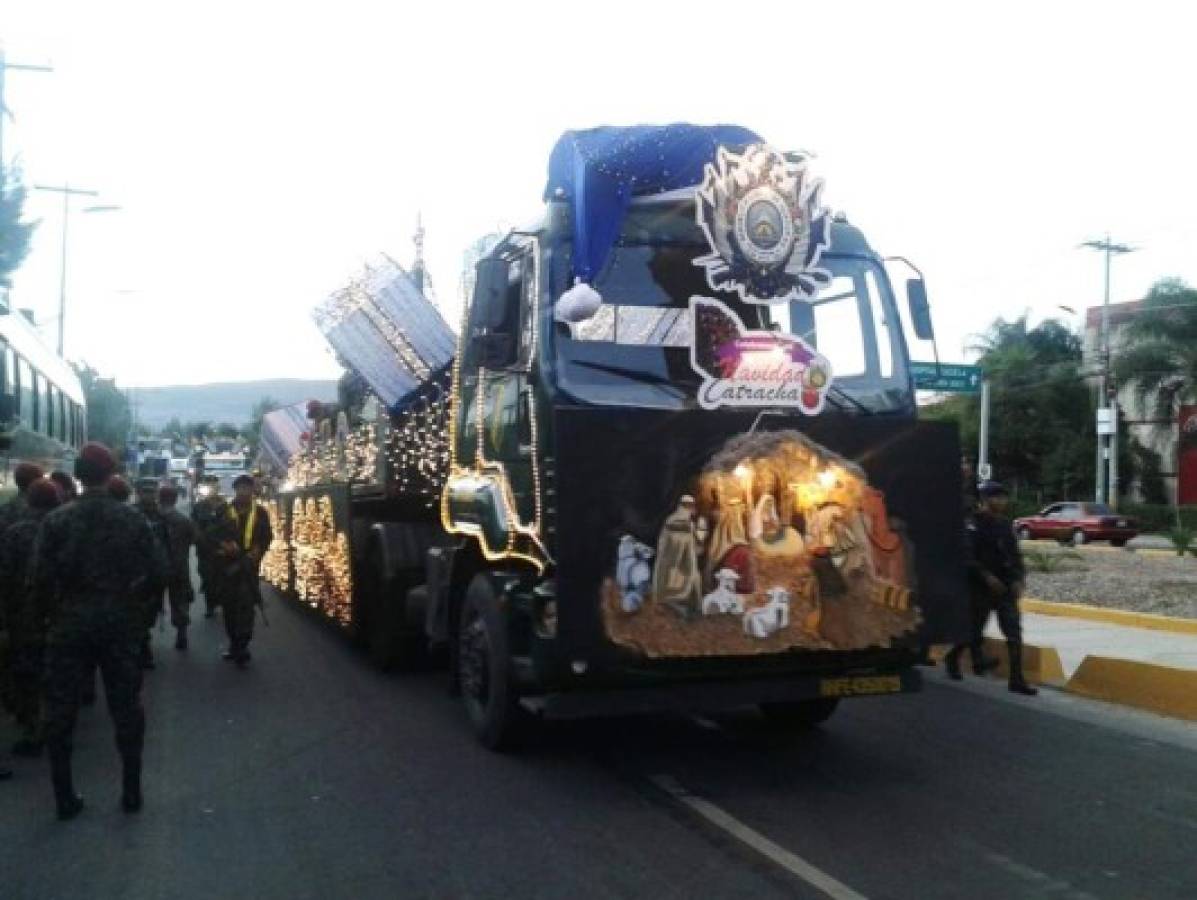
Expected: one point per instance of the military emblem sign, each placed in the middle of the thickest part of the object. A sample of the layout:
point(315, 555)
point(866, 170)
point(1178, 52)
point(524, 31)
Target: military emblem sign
point(762, 216)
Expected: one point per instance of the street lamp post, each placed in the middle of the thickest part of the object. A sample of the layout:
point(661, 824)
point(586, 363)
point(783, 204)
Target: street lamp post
point(1107, 449)
point(67, 192)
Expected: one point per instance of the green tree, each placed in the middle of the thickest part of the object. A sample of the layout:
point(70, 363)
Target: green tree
point(228, 430)
point(1160, 359)
point(1041, 410)
point(15, 231)
point(108, 415)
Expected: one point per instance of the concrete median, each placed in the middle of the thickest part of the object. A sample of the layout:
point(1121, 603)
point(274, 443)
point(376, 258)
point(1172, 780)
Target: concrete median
point(1150, 686)
point(1110, 616)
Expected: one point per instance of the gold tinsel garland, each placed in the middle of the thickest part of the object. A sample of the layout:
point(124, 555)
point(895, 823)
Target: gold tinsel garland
point(276, 563)
point(323, 574)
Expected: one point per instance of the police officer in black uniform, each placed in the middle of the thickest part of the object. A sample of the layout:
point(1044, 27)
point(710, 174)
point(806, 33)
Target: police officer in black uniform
point(996, 577)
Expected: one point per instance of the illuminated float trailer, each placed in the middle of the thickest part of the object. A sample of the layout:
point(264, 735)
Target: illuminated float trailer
point(671, 460)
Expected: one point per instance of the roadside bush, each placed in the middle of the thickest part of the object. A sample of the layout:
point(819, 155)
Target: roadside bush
point(1182, 540)
point(1048, 561)
point(1160, 518)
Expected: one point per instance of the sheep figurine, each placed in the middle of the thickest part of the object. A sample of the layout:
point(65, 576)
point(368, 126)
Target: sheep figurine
point(633, 572)
point(772, 617)
point(723, 600)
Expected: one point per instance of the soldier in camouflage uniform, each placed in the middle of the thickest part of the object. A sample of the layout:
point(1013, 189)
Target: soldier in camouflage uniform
point(182, 536)
point(239, 556)
point(26, 629)
point(152, 598)
point(23, 475)
point(90, 560)
point(210, 513)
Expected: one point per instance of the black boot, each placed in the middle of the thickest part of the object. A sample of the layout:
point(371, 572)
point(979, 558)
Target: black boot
point(147, 655)
point(181, 640)
point(68, 803)
point(131, 784)
point(1018, 684)
point(981, 662)
point(951, 664)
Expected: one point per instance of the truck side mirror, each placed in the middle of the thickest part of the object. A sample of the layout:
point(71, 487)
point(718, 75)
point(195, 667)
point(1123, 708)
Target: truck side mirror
point(490, 293)
point(920, 309)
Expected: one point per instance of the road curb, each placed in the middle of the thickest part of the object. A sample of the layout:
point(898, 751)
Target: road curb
point(1044, 543)
point(1160, 689)
point(1109, 616)
point(1040, 665)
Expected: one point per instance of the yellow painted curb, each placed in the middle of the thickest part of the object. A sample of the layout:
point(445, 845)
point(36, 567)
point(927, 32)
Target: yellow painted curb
point(1109, 616)
point(1040, 665)
point(1160, 689)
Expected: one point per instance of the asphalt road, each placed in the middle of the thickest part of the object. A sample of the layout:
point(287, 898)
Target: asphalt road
point(311, 775)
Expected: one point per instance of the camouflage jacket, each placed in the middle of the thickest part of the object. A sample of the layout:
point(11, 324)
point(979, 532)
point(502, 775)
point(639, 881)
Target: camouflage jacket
point(182, 534)
point(16, 545)
point(213, 524)
point(12, 511)
point(95, 556)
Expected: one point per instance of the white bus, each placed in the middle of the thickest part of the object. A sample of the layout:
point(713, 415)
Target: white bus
point(43, 413)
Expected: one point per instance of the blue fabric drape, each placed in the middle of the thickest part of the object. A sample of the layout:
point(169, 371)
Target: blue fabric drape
point(600, 170)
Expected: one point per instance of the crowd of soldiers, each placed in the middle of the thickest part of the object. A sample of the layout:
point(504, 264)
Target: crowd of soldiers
point(84, 578)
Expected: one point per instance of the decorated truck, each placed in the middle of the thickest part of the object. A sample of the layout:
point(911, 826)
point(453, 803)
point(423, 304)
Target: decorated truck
point(671, 459)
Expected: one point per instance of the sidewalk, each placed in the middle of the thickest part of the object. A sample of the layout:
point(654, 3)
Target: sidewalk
point(1132, 659)
point(1077, 638)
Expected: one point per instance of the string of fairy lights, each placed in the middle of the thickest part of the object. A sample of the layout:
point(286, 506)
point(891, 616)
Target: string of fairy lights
point(323, 573)
point(418, 449)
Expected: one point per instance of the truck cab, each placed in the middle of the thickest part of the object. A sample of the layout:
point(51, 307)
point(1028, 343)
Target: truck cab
point(684, 494)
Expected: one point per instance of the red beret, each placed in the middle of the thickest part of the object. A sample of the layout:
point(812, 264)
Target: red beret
point(94, 463)
point(24, 474)
point(119, 488)
point(43, 494)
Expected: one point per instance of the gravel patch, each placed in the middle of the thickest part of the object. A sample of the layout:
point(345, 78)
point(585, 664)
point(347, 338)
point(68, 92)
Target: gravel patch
point(1139, 582)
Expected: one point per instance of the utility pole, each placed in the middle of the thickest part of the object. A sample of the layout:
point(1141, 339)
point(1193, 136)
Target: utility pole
point(984, 470)
point(4, 67)
point(1107, 461)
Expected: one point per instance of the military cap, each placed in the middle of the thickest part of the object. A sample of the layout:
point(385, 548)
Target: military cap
point(992, 489)
point(24, 474)
point(94, 463)
point(43, 494)
point(118, 488)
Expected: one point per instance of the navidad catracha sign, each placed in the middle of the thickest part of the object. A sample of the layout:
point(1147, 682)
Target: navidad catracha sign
point(767, 230)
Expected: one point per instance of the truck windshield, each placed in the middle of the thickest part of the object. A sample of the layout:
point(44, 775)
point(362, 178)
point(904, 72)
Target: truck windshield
point(636, 350)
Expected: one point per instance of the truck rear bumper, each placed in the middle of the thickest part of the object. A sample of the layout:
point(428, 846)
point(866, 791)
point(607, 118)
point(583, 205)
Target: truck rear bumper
point(706, 696)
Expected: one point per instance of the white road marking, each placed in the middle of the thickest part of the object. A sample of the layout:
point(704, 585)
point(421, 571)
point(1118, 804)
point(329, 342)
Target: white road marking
point(776, 854)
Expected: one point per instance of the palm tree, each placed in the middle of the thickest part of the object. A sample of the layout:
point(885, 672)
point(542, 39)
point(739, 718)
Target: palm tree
point(1160, 357)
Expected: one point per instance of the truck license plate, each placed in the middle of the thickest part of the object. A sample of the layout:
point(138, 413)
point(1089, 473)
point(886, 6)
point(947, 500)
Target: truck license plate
point(1122, 523)
point(860, 686)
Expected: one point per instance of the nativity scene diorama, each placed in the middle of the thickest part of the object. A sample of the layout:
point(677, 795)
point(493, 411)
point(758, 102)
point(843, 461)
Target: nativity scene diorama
point(778, 544)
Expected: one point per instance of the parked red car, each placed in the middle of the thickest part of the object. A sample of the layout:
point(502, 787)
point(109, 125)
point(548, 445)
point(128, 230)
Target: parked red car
point(1078, 523)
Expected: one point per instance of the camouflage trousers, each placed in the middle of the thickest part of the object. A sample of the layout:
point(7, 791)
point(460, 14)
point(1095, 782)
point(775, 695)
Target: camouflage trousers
point(79, 643)
point(181, 596)
point(27, 668)
point(238, 596)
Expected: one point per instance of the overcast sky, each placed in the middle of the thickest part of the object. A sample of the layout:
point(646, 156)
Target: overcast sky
point(260, 151)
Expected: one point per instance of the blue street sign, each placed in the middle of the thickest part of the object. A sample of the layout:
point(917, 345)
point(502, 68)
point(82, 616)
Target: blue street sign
point(952, 378)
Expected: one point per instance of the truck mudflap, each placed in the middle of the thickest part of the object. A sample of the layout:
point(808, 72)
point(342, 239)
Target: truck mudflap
point(716, 696)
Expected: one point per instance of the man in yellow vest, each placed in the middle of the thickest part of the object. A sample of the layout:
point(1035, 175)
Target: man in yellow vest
point(238, 558)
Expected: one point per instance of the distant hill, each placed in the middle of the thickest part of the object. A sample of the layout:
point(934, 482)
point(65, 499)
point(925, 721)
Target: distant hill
point(228, 402)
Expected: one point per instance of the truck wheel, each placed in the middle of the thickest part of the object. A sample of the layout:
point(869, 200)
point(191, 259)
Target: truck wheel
point(484, 669)
point(1117, 542)
point(1078, 537)
point(1024, 533)
point(799, 715)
